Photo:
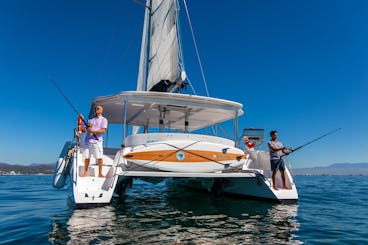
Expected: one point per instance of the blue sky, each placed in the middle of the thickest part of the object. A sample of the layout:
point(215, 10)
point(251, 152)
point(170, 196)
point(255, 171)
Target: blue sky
point(299, 67)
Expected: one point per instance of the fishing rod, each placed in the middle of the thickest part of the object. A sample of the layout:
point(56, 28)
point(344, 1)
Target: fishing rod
point(316, 139)
point(70, 103)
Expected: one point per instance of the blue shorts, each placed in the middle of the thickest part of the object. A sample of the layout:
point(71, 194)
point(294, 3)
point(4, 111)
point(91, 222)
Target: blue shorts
point(277, 164)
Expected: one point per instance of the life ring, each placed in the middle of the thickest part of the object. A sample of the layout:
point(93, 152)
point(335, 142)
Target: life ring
point(80, 126)
point(250, 145)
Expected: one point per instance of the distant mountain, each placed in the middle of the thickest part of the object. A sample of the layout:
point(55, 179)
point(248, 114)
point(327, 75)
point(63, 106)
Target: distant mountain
point(34, 168)
point(335, 169)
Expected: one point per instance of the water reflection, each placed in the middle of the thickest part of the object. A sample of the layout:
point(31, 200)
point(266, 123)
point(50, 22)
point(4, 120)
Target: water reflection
point(165, 214)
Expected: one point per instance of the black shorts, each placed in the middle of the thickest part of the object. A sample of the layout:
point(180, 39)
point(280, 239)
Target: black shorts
point(277, 164)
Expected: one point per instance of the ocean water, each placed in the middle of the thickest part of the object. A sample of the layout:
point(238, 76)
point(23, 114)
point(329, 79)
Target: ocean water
point(330, 210)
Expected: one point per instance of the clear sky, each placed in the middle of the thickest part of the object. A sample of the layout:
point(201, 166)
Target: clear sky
point(300, 67)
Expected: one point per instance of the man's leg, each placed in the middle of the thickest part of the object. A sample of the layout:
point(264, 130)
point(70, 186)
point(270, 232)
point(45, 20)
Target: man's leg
point(86, 164)
point(283, 179)
point(274, 179)
point(100, 168)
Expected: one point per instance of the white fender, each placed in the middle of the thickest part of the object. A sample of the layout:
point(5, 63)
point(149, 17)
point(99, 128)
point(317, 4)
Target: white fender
point(60, 175)
point(61, 167)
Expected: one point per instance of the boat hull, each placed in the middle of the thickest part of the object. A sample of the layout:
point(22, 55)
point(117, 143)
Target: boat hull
point(245, 187)
point(91, 191)
point(185, 156)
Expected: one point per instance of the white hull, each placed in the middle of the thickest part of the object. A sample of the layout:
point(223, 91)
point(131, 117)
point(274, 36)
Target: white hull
point(249, 184)
point(92, 190)
point(252, 181)
point(256, 187)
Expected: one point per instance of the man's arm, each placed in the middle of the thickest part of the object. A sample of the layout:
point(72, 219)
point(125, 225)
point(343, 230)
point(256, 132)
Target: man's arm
point(100, 131)
point(276, 149)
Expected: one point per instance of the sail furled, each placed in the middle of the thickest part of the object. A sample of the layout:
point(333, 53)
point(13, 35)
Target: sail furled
point(163, 45)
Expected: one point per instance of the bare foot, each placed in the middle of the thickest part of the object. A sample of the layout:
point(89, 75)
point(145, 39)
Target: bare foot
point(287, 188)
point(101, 176)
point(275, 188)
point(84, 174)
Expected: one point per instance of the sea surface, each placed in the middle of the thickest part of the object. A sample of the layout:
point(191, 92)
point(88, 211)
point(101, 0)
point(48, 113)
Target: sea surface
point(330, 210)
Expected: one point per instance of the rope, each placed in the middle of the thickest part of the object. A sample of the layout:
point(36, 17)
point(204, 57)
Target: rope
point(191, 86)
point(178, 34)
point(196, 48)
point(156, 160)
point(198, 155)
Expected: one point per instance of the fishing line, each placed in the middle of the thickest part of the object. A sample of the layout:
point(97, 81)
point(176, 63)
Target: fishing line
point(69, 102)
point(312, 141)
point(316, 139)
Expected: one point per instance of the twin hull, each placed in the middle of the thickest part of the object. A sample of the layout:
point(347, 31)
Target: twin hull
point(185, 156)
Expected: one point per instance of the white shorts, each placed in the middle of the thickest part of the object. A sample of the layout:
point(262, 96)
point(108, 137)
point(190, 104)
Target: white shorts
point(93, 149)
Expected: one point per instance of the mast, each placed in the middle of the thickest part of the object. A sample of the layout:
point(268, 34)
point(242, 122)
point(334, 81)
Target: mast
point(142, 73)
point(142, 70)
point(161, 66)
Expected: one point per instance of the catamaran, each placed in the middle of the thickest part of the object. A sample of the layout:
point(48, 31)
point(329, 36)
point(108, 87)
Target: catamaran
point(167, 134)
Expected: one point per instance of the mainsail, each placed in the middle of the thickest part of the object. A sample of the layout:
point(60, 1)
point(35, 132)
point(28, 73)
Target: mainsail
point(161, 45)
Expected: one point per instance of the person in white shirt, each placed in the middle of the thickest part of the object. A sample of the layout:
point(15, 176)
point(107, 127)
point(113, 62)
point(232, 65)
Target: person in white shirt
point(93, 140)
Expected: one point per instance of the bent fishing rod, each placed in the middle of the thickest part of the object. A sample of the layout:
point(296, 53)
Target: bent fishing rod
point(69, 102)
point(314, 140)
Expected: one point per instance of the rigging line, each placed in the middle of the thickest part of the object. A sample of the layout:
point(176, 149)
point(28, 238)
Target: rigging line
point(177, 148)
point(141, 3)
point(196, 48)
point(191, 85)
point(108, 48)
point(198, 155)
point(181, 53)
point(223, 131)
point(155, 160)
point(122, 58)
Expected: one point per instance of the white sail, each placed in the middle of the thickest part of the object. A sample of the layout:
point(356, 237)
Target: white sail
point(163, 46)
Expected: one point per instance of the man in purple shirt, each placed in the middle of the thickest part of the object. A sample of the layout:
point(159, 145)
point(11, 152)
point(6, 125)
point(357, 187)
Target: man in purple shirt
point(93, 141)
